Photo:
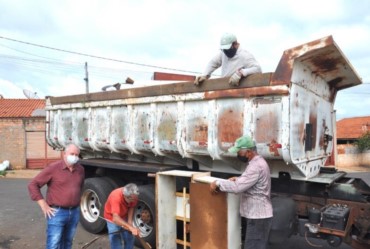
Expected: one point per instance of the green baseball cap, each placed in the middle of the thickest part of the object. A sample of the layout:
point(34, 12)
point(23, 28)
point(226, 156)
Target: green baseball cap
point(244, 142)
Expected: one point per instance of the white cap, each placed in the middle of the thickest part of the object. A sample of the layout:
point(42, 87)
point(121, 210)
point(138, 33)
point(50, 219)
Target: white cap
point(227, 40)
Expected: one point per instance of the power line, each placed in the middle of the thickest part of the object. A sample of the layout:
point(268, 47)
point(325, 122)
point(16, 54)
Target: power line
point(94, 56)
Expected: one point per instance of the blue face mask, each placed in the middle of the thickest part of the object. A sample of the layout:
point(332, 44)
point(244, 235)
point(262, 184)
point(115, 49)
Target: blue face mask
point(230, 53)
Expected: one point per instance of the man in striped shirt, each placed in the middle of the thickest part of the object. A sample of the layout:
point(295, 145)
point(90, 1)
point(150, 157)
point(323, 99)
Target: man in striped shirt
point(254, 186)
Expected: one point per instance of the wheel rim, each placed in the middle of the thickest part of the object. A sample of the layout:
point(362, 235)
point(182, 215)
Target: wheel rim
point(90, 206)
point(145, 229)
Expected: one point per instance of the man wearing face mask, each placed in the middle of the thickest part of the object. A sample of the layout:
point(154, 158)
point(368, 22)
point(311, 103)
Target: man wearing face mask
point(254, 186)
point(64, 179)
point(233, 60)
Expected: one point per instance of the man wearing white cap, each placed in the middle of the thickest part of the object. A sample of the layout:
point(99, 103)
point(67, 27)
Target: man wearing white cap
point(233, 60)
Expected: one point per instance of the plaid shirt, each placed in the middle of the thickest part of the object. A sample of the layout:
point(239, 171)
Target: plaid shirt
point(255, 187)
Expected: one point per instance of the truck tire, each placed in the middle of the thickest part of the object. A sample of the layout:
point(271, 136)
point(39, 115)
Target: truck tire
point(147, 204)
point(94, 195)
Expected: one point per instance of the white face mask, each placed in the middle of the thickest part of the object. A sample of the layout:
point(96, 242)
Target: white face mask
point(71, 159)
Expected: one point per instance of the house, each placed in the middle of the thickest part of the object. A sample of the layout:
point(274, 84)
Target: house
point(349, 130)
point(22, 134)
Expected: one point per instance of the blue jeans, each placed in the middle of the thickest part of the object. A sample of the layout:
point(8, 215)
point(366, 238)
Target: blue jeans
point(117, 234)
point(257, 233)
point(61, 228)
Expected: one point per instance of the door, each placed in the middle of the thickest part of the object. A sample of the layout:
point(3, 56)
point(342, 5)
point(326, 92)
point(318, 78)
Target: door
point(38, 152)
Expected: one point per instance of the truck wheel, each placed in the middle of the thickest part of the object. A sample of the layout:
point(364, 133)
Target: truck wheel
point(94, 195)
point(144, 215)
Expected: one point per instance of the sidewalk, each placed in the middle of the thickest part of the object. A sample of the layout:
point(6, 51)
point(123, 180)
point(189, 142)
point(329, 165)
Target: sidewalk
point(30, 173)
point(356, 169)
point(22, 173)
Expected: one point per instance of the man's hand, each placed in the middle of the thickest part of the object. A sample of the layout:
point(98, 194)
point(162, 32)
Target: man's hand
point(46, 209)
point(135, 231)
point(233, 179)
point(235, 78)
point(213, 187)
point(199, 80)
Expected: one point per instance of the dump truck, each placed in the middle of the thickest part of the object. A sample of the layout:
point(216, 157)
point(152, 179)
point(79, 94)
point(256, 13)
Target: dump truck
point(129, 135)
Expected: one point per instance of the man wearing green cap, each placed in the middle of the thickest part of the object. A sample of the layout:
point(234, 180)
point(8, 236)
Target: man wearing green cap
point(254, 186)
point(233, 60)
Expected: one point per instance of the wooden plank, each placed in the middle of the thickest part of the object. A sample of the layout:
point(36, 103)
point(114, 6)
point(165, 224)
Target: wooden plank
point(166, 209)
point(181, 242)
point(172, 76)
point(255, 80)
point(208, 227)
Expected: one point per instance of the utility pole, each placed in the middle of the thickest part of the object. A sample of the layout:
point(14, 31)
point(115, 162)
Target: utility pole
point(86, 78)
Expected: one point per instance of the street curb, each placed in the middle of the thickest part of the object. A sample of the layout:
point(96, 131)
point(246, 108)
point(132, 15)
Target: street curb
point(21, 173)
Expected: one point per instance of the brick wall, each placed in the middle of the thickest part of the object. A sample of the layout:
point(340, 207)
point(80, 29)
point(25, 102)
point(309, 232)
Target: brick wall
point(35, 124)
point(13, 139)
point(12, 143)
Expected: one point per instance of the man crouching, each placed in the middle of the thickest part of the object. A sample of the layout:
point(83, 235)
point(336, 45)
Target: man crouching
point(119, 209)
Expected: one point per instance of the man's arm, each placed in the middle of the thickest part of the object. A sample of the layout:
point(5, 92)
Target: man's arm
point(130, 215)
point(34, 189)
point(46, 209)
point(213, 64)
point(250, 64)
point(125, 225)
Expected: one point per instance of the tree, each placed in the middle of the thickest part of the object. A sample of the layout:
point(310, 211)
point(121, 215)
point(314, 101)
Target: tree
point(363, 143)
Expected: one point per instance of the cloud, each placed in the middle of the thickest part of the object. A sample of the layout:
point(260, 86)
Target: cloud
point(169, 34)
point(10, 90)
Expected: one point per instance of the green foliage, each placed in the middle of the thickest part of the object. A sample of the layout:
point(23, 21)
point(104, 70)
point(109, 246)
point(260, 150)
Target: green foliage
point(363, 143)
point(2, 172)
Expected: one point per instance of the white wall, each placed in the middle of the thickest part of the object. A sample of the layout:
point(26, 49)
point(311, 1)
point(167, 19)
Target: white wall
point(351, 159)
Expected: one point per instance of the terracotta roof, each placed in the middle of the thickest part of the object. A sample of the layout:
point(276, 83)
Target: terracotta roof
point(352, 128)
point(20, 108)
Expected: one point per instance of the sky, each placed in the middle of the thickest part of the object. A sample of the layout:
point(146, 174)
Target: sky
point(45, 44)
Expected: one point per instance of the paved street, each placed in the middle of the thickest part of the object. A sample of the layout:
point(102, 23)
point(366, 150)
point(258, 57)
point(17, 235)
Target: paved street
point(22, 224)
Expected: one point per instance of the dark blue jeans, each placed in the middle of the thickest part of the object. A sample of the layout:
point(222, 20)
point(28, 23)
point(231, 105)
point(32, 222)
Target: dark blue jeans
point(257, 233)
point(61, 228)
point(117, 234)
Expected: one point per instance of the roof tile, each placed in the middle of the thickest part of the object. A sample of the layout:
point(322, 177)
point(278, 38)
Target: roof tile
point(20, 108)
point(352, 128)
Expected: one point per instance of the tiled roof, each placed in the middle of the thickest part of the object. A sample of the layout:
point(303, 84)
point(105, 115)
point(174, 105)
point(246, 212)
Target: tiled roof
point(20, 108)
point(352, 128)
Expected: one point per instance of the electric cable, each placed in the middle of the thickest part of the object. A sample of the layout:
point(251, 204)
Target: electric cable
point(95, 56)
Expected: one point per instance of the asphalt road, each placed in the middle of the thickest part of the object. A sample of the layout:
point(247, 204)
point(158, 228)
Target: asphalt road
point(22, 224)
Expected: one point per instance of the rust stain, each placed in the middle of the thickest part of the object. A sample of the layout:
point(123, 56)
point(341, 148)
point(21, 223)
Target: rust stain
point(246, 92)
point(325, 62)
point(167, 127)
point(230, 126)
point(199, 133)
point(267, 121)
point(273, 147)
point(284, 69)
point(322, 143)
point(335, 81)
